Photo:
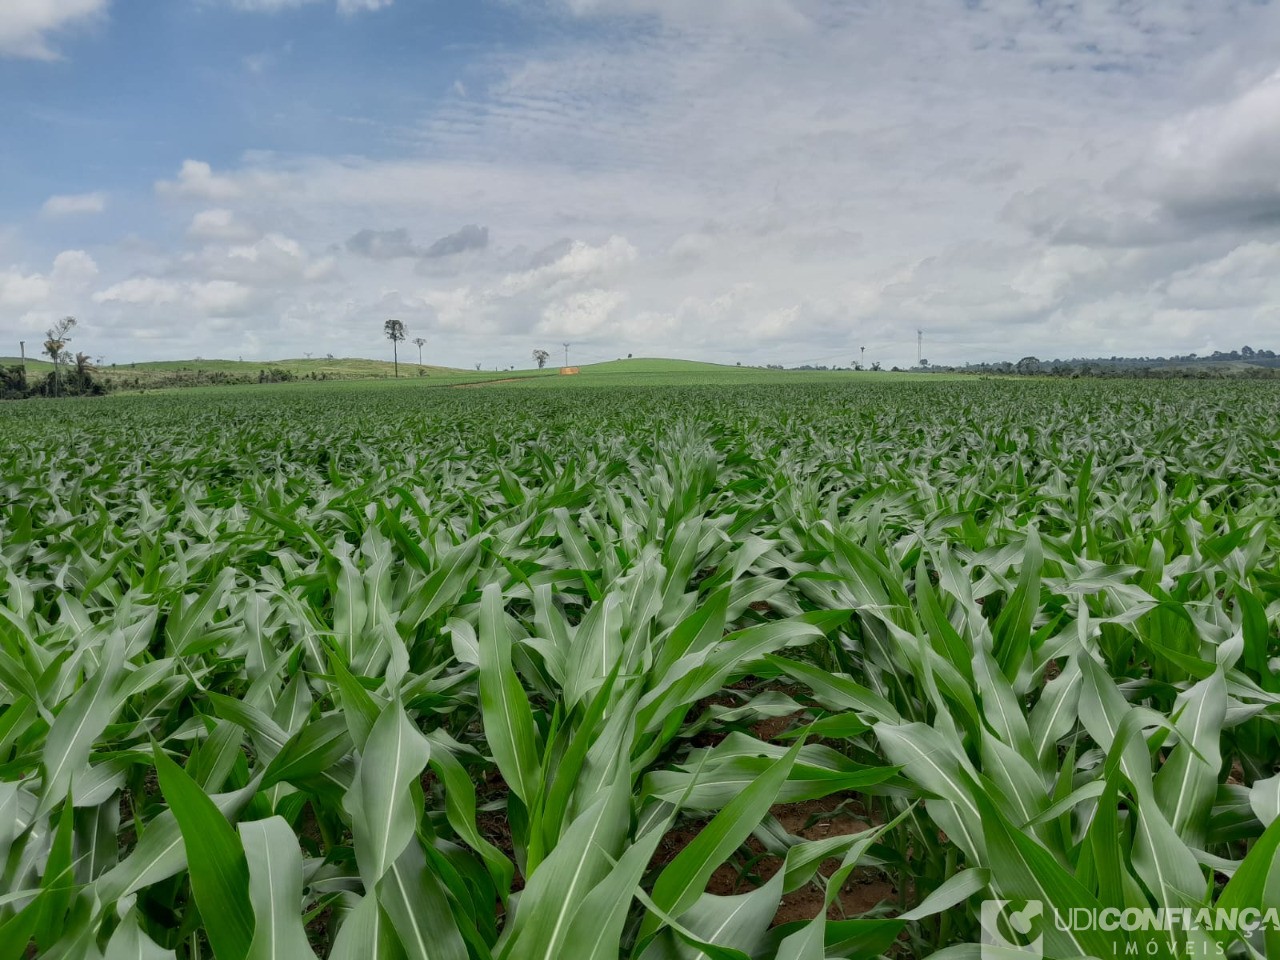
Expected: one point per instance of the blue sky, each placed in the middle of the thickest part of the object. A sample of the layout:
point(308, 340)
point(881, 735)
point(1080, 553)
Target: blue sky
point(735, 180)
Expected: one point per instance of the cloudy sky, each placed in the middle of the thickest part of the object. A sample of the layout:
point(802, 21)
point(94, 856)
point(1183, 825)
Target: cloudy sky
point(732, 180)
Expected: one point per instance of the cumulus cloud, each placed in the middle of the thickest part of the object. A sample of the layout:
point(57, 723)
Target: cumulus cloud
point(470, 237)
point(208, 298)
point(1249, 274)
point(347, 7)
point(1209, 170)
point(23, 290)
point(140, 290)
point(561, 268)
point(551, 253)
point(196, 180)
point(580, 314)
point(69, 204)
point(383, 244)
point(72, 270)
point(219, 224)
point(1220, 164)
point(274, 261)
point(744, 14)
point(27, 26)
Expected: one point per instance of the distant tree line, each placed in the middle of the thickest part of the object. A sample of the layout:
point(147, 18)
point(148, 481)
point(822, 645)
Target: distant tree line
point(76, 381)
point(823, 368)
point(1245, 362)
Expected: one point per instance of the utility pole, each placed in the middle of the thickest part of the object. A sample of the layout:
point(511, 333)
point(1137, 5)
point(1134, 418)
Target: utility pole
point(566, 354)
point(22, 347)
point(862, 361)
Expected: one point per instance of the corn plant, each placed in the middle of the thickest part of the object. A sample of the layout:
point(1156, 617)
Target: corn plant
point(401, 672)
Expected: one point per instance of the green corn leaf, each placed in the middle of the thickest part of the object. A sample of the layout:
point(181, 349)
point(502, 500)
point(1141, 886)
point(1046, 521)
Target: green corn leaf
point(81, 720)
point(380, 801)
point(414, 900)
point(215, 861)
point(129, 942)
point(314, 749)
point(596, 928)
point(685, 877)
point(160, 853)
point(508, 720)
point(579, 861)
point(1255, 885)
point(366, 934)
point(1022, 868)
point(275, 891)
point(359, 708)
point(460, 810)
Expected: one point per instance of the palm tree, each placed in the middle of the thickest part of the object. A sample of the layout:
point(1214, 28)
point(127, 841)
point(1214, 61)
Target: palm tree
point(57, 337)
point(394, 330)
point(421, 342)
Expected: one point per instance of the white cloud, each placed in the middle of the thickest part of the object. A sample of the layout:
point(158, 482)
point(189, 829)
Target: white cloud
point(580, 314)
point(221, 298)
point(26, 26)
point(140, 290)
point(1223, 160)
point(272, 261)
point(23, 290)
point(742, 14)
point(219, 224)
point(208, 298)
point(579, 262)
point(74, 203)
point(1248, 275)
point(196, 180)
point(347, 7)
point(72, 270)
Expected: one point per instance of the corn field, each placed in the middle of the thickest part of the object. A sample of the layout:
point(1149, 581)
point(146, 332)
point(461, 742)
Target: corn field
point(774, 672)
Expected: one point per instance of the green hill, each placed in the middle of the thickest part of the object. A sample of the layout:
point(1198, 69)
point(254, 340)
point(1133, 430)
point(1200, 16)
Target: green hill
point(169, 374)
point(660, 371)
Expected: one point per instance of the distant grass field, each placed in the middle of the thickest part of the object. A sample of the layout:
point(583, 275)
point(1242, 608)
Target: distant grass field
point(196, 374)
point(155, 372)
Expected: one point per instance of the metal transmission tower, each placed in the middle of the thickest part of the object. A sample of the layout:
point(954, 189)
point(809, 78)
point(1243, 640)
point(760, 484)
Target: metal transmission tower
point(919, 346)
point(566, 354)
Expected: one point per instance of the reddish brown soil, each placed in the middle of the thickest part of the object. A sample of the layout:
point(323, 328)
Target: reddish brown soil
point(770, 727)
point(837, 815)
